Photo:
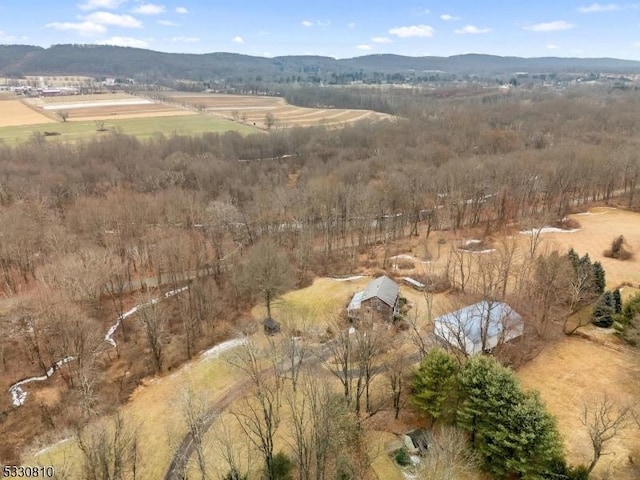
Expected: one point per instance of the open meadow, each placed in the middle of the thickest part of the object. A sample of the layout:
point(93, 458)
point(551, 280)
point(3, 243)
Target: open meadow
point(253, 110)
point(144, 127)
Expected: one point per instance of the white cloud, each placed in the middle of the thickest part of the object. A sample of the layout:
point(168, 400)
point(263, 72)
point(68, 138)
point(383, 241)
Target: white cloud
point(107, 18)
point(551, 46)
point(351, 24)
point(185, 39)
point(83, 28)
point(238, 39)
point(182, 10)
point(471, 30)
point(5, 37)
point(149, 9)
point(125, 42)
point(323, 24)
point(364, 47)
point(168, 23)
point(306, 23)
point(381, 40)
point(412, 31)
point(599, 7)
point(447, 17)
point(97, 4)
point(554, 26)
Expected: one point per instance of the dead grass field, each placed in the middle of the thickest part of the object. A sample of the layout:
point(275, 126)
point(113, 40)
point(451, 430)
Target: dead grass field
point(14, 113)
point(599, 226)
point(253, 109)
point(572, 370)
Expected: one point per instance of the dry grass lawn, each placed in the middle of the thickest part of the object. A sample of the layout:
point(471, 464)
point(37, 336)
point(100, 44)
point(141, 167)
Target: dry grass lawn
point(155, 408)
point(599, 226)
point(574, 369)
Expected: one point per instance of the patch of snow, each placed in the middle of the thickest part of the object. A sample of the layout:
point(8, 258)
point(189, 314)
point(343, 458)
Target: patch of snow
point(49, 447)
point(473, 241)
point(348, 279)
point(19, 396)
point(489, 250)
point(590, 213)
point(110, 103)
point(223, 347)
point(536, 231)
point(403, 256)
point(415, 459)
point(109, 335)
point(352, 331)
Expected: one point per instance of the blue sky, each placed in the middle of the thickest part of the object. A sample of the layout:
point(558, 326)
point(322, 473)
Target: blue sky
point(339, 29)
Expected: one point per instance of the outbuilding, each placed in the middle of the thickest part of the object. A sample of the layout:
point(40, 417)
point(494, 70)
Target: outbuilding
point(479, 327)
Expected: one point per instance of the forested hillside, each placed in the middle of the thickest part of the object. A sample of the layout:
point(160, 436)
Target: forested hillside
point(97, 60)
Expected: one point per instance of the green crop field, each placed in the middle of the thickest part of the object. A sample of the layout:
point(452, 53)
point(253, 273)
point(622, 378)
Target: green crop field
point(138, 127)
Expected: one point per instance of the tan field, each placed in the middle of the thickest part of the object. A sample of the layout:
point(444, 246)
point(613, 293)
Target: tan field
point(599, 227)
point(576, 369)
point(253, 109)
point(13, 113)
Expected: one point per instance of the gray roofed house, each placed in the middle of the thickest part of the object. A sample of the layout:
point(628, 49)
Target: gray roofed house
point(479, 327)
point(378, 299)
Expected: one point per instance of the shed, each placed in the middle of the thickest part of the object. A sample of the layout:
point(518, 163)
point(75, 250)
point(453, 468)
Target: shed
point(271, 327)
point(378, 300)
point(479, 327)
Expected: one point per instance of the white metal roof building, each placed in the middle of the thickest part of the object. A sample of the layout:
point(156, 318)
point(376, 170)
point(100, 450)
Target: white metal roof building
point(478, 327)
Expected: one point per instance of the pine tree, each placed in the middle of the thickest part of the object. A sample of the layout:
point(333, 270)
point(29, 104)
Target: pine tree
point(603, 311)
point(511, 430)
point(434, 384)
point(585, 267)
point(617, 301)
point(598, 278)
point(574, 258)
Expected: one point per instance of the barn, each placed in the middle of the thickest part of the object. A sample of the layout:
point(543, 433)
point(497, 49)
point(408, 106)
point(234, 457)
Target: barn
point(378, 301)
point(479, 327)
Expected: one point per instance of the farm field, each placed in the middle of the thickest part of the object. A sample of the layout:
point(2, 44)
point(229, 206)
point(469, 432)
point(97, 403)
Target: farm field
point(15, 113)
point(105, 106)
point(139, 127)
point(253, 109)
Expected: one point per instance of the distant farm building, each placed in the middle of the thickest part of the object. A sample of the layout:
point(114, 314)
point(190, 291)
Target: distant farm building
point(479, 327)
point(378, 301)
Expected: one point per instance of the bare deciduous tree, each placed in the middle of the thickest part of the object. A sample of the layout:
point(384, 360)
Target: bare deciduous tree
point(109, 450)
point(604, 418)
point(153, 320)
point(449, 457)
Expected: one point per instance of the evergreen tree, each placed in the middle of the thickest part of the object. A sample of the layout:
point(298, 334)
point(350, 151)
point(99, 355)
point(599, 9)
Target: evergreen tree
point(603, 311)
point(574, 258)
point(511, 430)
point(598, 278)
point(434, 384)
point(585, 267)
point(617, 301)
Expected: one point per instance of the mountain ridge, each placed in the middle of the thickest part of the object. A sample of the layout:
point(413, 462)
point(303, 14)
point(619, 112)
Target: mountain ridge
point(105, 60)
